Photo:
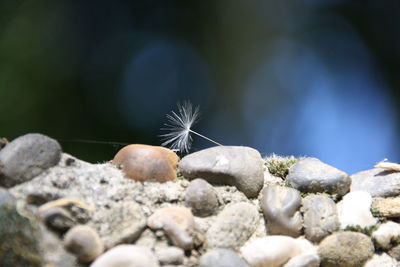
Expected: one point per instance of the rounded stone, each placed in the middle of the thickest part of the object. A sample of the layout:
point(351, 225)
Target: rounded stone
point(221, 257)
point(26, 157)
point(127, 256)
point(84, 242)
point(201, 197)
point(170, 255)
point(387, 234)
point(147, 163)
point(345, 249)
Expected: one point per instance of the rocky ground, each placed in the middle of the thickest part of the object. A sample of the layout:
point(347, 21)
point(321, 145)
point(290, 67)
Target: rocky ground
point(222, 206)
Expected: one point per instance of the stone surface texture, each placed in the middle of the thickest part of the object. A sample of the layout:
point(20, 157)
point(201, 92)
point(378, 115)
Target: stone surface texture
point(387, 207)
point(313, 176)
point(281, 208)
point(383, 260)
point(387, 234)
point(345, 249)
point(378, 182)
point(26, 157)
point(221, 257)
point(230, 165)
point(201, 197)
point(320, 217)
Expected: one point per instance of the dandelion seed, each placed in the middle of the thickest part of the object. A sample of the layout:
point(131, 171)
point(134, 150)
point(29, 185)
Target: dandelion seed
point(179, 127)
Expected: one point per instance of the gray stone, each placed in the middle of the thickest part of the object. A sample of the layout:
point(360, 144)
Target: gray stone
point(201, 197)
point(382, 260)
point(221, 257)
point(26, 157)
point(394, 252)
point(320, 217)
point(123, 223)
point(281, 208)
point(377, 182)
point(313, 176)
point(227, 165)
point(6, 198)
point(127, 256)
point(233, 226)
point(386, 207)
point(345, 249)
point(170, 255)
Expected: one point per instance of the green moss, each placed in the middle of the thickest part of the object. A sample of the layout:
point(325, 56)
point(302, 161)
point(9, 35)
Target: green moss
point(365, 230)
point(279, 166)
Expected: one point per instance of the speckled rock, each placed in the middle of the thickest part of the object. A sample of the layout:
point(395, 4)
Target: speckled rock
point(170, 255)
point(26, 157)
point(320, 217)
point(271, 251)
point(147, 163)
point(313, 176)
point(355, 209)
point(127, 256)
point(201, 197)
point(122, 223)
point(394, 252)
point(281, 208)
point(84, 242)
point(382, 260)
point(233, 226)
point(387, 207)
point(177, 223)
point(229, 165)
point(387, 234)
point(378, 182)
point(221, 257)
point(335, 250)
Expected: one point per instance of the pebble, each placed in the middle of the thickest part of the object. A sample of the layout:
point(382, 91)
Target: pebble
point(233, 226)
point(387, 207)
point(345, 249)
point(127, 256)
point(386, 234)
point(122, 223)
point(311, 175)
point(177, 223)
point(320, 217)
point(228, 165)
point(201, 197)
point(26, 157)
point(394, 252)
point(355, 209)
point(271, 251)
point(377, 182)
point(6, 198)
point(170, 255)
point(221, 257)
point(147, 163)
point(304, 260)
point(84, 242)
point(281, 208)
point(382, 260)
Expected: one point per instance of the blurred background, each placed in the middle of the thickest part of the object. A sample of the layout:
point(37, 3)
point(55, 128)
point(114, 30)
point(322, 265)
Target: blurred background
point(306, 78)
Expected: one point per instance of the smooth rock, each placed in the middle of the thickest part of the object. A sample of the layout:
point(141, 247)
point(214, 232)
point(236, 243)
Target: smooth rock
point(270, 251)
point(320, 217)
point(304, 260)
point(281, 208)
point(221, 257)
point(233, 226)
point(387, 207)
point(122, 223)
point(228, 165)
point(6, 198)
point(147, 163)
point(382, 260)
point(378, 182)
point(127, 256)
point(84, 242)
point(201, 197)
point(355, 209)
point(26, 157)
point(177, 223)
point(170, 255)
point(345, 249)
point(313, 176)
point(386, 234)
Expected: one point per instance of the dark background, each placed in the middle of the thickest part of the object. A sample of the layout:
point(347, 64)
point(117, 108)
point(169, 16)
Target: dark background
point(308, 77)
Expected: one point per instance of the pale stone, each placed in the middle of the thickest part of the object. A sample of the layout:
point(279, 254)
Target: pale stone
point(383, 260)
point(386, 233)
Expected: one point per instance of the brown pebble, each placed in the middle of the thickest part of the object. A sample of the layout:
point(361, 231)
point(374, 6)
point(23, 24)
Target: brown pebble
point(177, 223)
point(84, 242)
point(147, 163)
